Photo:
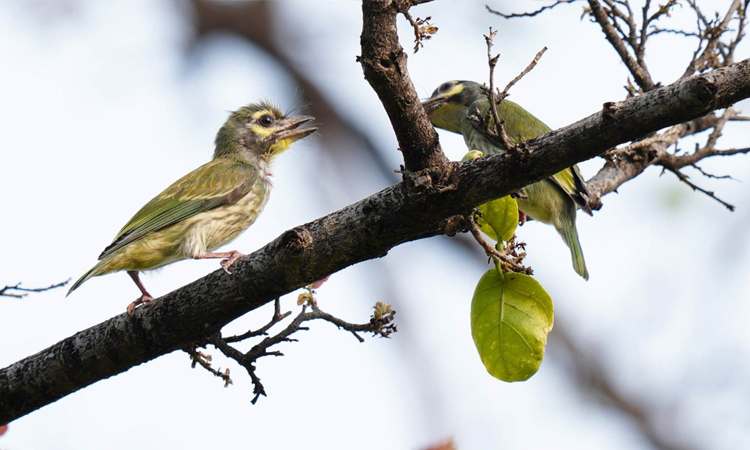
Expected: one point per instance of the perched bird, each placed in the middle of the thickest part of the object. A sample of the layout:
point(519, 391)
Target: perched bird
point(553, 200)
point(211, 205)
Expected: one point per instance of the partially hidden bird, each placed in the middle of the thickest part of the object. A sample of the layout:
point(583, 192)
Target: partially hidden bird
point(208, 207)
point(553, 200)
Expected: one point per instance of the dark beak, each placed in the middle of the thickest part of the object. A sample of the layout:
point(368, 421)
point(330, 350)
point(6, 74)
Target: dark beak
point(431, 103)
point(289, 130)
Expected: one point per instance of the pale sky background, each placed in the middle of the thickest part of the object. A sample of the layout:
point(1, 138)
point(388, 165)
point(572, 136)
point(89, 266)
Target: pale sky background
point(103, 104)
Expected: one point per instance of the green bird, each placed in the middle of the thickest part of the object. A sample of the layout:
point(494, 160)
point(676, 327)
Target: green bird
point(554, 200)
point(211, 205)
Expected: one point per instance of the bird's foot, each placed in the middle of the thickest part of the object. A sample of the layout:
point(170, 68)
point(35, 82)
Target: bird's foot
point(320, 282)
point(230, 258)
point(233, 257)
point(140, 301)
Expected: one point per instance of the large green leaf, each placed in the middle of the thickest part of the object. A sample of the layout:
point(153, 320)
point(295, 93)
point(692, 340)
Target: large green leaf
point(499, 218)
point(511, 315)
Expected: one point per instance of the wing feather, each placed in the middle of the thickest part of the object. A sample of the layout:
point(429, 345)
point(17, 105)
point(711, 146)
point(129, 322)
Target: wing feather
point(520, 125)
point(219, 182)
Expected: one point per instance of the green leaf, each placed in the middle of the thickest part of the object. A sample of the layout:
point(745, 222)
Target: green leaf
point(473, 154)
point(499, 218)
point(511, 315)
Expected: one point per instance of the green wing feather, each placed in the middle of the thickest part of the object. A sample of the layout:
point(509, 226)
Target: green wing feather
point(219, 182)
point(520, 126)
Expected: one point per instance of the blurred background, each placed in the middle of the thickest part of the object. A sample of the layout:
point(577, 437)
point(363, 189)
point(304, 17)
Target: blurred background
point(103, 104)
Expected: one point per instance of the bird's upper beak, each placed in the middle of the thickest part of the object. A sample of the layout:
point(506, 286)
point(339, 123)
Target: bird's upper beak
point(289, 130)
point(431, 103)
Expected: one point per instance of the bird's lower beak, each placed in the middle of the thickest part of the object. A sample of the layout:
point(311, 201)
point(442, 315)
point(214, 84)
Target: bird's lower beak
point(289, 129)
point(431, 103)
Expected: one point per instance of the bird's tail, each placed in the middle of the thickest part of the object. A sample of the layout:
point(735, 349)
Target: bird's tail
point(98, 269)
point(570, 236)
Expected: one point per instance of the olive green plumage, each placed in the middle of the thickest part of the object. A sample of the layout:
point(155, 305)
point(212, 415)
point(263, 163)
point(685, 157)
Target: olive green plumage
point(553, 200)
point(211, 205)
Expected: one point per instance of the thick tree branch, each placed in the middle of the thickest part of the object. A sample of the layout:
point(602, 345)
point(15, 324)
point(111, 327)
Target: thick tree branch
point(384, 64)
point(410, 210)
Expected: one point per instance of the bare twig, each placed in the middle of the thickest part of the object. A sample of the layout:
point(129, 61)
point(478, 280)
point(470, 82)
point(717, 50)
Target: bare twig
point(525, 71)
point(712, 176)
point(508, 261)
point(7, 290)
point(381, 324)
point(204, 360)
point(492, 60)
point(423, 29)
point(706, 59)
point(494, 98)
point(278, 316)
point(638, 70)
point(530, 14)
point(684, 178)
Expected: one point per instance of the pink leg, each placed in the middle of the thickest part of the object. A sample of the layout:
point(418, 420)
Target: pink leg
point(231, 258)
point(521, 218)
point(145, 296)
point(319, 283)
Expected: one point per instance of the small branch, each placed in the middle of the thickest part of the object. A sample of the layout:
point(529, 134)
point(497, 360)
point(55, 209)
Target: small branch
point(684, 178)
point(712, 176)
point(381, 324)
point(525, 71)
point(204, 360)
point(714, 34)
point(492, 60)
point(423, 29)
point(529, 14)
point(5, 292)
point(277, 317)
point(509, 261)
point(639, 72)
point(494, 99)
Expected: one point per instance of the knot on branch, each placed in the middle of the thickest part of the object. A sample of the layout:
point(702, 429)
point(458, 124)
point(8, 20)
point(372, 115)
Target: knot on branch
point(432, 180)
point(705, 91)
point(296, 240)
point(610, 111)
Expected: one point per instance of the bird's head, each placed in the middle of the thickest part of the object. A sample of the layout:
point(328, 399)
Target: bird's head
point(450, 102)
point(260, 131)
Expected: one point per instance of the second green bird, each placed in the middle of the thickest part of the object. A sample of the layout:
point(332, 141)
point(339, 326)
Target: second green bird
point(553, 200)
point(211, 205)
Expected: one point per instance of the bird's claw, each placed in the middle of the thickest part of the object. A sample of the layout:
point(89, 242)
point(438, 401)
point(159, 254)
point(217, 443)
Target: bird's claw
point(229, 262)
point(143, 299)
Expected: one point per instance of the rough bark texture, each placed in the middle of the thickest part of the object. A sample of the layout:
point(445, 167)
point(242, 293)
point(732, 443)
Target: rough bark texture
point(413, 209)
point(384, 64)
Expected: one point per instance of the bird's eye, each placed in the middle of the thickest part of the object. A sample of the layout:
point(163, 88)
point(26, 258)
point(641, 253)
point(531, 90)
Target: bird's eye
point(445, 87)
point(266, 120)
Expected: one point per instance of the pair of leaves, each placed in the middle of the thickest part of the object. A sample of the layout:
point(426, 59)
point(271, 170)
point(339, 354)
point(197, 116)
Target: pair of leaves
point(511, 314)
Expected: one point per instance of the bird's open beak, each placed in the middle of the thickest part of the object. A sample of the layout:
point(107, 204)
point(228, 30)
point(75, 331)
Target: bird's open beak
point(289, 130)
point(431, 103)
